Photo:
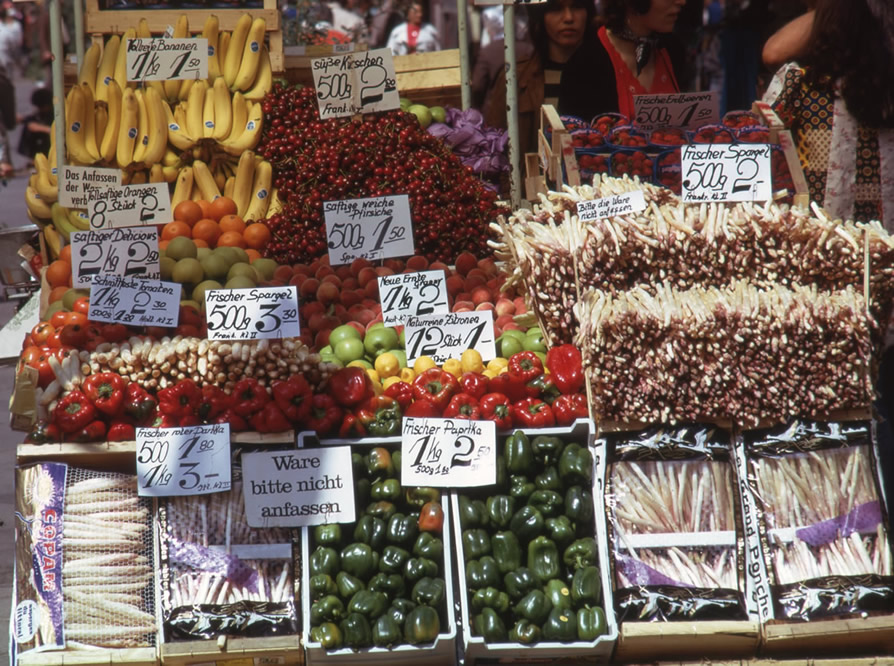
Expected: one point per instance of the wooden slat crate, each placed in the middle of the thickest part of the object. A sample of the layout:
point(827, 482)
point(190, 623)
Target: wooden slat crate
point(279, 650)
point(120, 657)
point(650, 641)
point(298, 59)
point(857, 636)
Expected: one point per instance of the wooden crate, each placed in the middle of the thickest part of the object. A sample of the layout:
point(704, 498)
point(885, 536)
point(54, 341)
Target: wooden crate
point(269, 651)
point(298, 59)
point(120, 657)
point(650, 641)
point(544, 169)
point(857, 636)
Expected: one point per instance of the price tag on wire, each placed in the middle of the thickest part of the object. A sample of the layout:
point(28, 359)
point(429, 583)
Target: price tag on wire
point(166, 59)
point(444, 336)
point(359, 82)
point(448, 453)
point(720, 172)
point(130, 252)
point(412, 295)
point(183, 461)
point(684, 110)
point(374, 228)
point(134, 302)
point(252, 313)
point(129, 206)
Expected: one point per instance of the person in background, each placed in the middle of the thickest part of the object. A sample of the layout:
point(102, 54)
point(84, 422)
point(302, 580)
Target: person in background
point(36, 126)
point(414, 36)
point(840, 108)
point(7, 121)
point(790, 41)
point(491, 58)
point(10, 39)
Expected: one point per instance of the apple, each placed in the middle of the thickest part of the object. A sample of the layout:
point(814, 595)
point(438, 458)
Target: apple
point(507, 345)
point(348, 349)
point(344, 332)
point(378, 340)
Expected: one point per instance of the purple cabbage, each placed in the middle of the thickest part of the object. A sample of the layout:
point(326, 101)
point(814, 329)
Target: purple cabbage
point(481, 148)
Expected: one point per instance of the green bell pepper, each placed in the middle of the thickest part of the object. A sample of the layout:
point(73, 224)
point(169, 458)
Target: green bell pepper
point(520, 487)
point(525, 632)
point(579, 505)
point(379, 464)
point(534, 606)
point(586, 586)
point(393, 559)
point(321, 585)
point(386, 632)
point(548, 479)
point(327, 535)
point(518, 453)
point(358, 559)
point(581, 553)
point(472, 513)
point(328, 609)
point(482, 573)
point(500, 509)
point(547, 502)
point(502, 472)
point(419, 567)
point(429, 546)
point(507, 551)
point(519, 582)
point(356, 631)
point(490, 597)
point(362, 490)
point(391, 585)
point(576, 465)
point(429, 591)
point(422, 625)
point(476, 542)
point(382, 509)
point(396, 457)
point(558, 593)
point(402, 530)
point(399, 609)
point(561, 625)
point(590, 623)
point(488, 625)
point(371, 531)
point(328, 635)
point(348, 585)
point(527, 523)
point(386, 489)
point(323, 560)
point(358, 464)
point(388, 422)
point(547, 449)
point(543, 559)
point(419, 496)
point(368, 603)
point(561, 530)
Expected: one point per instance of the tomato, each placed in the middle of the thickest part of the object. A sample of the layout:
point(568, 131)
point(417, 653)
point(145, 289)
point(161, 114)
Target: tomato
point(30, 355)
point(38, 359)
point(77, 318)
point(187, 330)
point(27, 341)
point(189, 315)
point(115, 332)
point(42, 332)
point(59, 319)
point(82, 305)
point(55, 340)
point(157, 332)
point(73, 335)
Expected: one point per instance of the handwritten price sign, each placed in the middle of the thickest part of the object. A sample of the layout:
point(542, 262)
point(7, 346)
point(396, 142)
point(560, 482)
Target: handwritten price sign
point(362, 82)
point(183, 461)
point(122, 300)
point(448, 453)
point(619, 204)
point(253, 313)
point(412, 295)
point(449, 335)
point(373, 228)
point(167, 59)
point(726, 172)
point(129, 206)
point(79, 184)
point(131, 252)
point(686, 110)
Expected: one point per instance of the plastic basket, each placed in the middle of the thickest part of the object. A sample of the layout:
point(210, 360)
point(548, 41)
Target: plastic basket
point(712, 134)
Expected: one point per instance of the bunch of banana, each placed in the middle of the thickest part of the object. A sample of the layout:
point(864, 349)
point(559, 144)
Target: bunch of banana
point(248, 184)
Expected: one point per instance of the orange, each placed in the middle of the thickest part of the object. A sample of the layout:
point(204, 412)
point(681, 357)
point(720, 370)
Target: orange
point(252, 255)
point(163, 244)
point(222, 206)
point(59, 273)
point(174, 229)
point(206, 230)
point(205, 206)
point(57, 293)
point(65, 253)
point(231, 239)
point(200, 243)
point(232, 223)
point(257, 235)
point(188, 211)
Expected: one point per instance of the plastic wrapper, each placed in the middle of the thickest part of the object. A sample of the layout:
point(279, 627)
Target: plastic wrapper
point(826, 540)
point(84, 576)
point(675, 535)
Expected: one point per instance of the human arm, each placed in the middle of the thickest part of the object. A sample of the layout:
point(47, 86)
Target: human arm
point(789, 42)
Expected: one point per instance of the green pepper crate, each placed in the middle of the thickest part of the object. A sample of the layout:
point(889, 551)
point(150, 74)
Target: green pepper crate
point(599, 651)
point(442, 651)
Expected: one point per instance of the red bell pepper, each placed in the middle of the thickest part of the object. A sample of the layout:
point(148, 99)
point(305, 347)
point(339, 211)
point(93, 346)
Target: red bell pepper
point(237, 423)
point(497, 408)
point(350, 386)
point(543, 387)
point(139, 404)
point(166, 421)
point(178, 400)
point(188, 420)
point(352, 425)
point(106, 391)
point(214, 401)
point(424, 409)
point(402, 392)
point(74, 412)
point(325, 414)
point(569, 408)
point(270, 419)
point(94, 431)
point(533, 413)
point(435, 385)
point(121, 431)
point(566, 367)
point(249, 397)
point(431, 517)
point(510, 386)
point(525, 365)
point(44, 433)
point(474, 384)
point(293, 397)
point(463, 406)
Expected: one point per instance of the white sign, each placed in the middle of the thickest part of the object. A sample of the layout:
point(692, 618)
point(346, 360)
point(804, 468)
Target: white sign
point(619, 204)
point(686, 110)
point(717, 172)
point(449, 335)
point(183, 461)
point(298, 487)
point(252, 313)
point(362, 82)
point(166, 59)
point(412, 295)
point(374, 228)
point(448, 453)
point(130, 206)
point(79, 184)
point(130, 252)
point(123, 300)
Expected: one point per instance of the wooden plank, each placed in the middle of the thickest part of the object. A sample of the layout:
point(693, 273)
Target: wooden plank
point(694, 640)
point(234, 651)
point(416, 62)
point(870, 635)
point(433, 79)
point(129, 656)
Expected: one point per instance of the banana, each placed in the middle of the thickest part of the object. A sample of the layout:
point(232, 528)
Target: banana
point(275, 205)
point(106, 71)
point(260, 199)
point(249, 137)
point(223, 45)
point(121, 60)
point(143, 31)
point(185, 87)
point(183, 187)
point(107, 146)
point(44, 186)
point(170, 173)
point(205, 180)
point(172, 87)
point(228, 187)
point(138, 178)
point(88, 69)
point(251, 55)
point(211, 33)
point(51, 157)
point(223, 110)
point(38, 207)
point(177, 133)
point(90, 142)
point(195, 107)
point(158, 127)
point(264, 81)
point(170, 158)
point(156, 173)
point(79, 219)
point(127, 129)
point(245, 173)
point(233, 60)
point(100, 123)
point(59, 214)
point(75, 129)
point(208, 113)
point(220, 178)
point(142, 141)
point(53, 240)
point(240, 115)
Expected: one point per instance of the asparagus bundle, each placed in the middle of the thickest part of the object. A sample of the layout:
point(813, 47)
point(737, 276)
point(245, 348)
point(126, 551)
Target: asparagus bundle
point(688, 567)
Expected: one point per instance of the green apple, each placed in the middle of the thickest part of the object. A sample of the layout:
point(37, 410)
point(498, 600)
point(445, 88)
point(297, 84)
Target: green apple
point(329, 358)
point(405, 103)
point(507, 345)
point(533, 341)
point(514, 333)
point(380, 340)
point(423, 115)
point(327, 350)
point(343, 332)
point(348, 349)
point(438, 114)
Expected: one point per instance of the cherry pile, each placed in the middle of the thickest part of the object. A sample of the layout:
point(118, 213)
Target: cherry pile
point(381, 154)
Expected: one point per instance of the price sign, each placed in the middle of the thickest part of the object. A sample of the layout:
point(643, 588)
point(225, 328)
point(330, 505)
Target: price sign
point(717, 172)
point(449, 335)
point(129, 206)
point(686, 110)
point(619, 204)
point(361, 82)
point(130, 252)
point(167, 59)
point(123, 300)
point(252, 313)
point(79, 184)
point(183, 461)
point(374, 228)
point(298, 487)
point(448, 453)
point(412, 295)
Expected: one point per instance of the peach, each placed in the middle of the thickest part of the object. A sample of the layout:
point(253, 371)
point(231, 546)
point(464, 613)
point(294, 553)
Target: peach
point(396, 265)
point(356, 325)
point(283, 273)
point(463, 296)
point(371, 290)
point(481, 295)
point(417, 262)
point(484, 306)
point(321, 339)
point(454, 284)
point(359, 264)
point(349, 283)
point(308, 288)
point(520, 307)
point(344, 272)
point(502, 320)
point(488, 265)
point(327, 293)
point(365, 275)
point(340, 312)
point(463, 306)
point(384, 270)
point(311, 307)
point(301, 268)
point(465, 262)
point(323, 271)
point(473, 281)
point(512, 326)
point(350, 297)
point(504, 306)
point(333, 278)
